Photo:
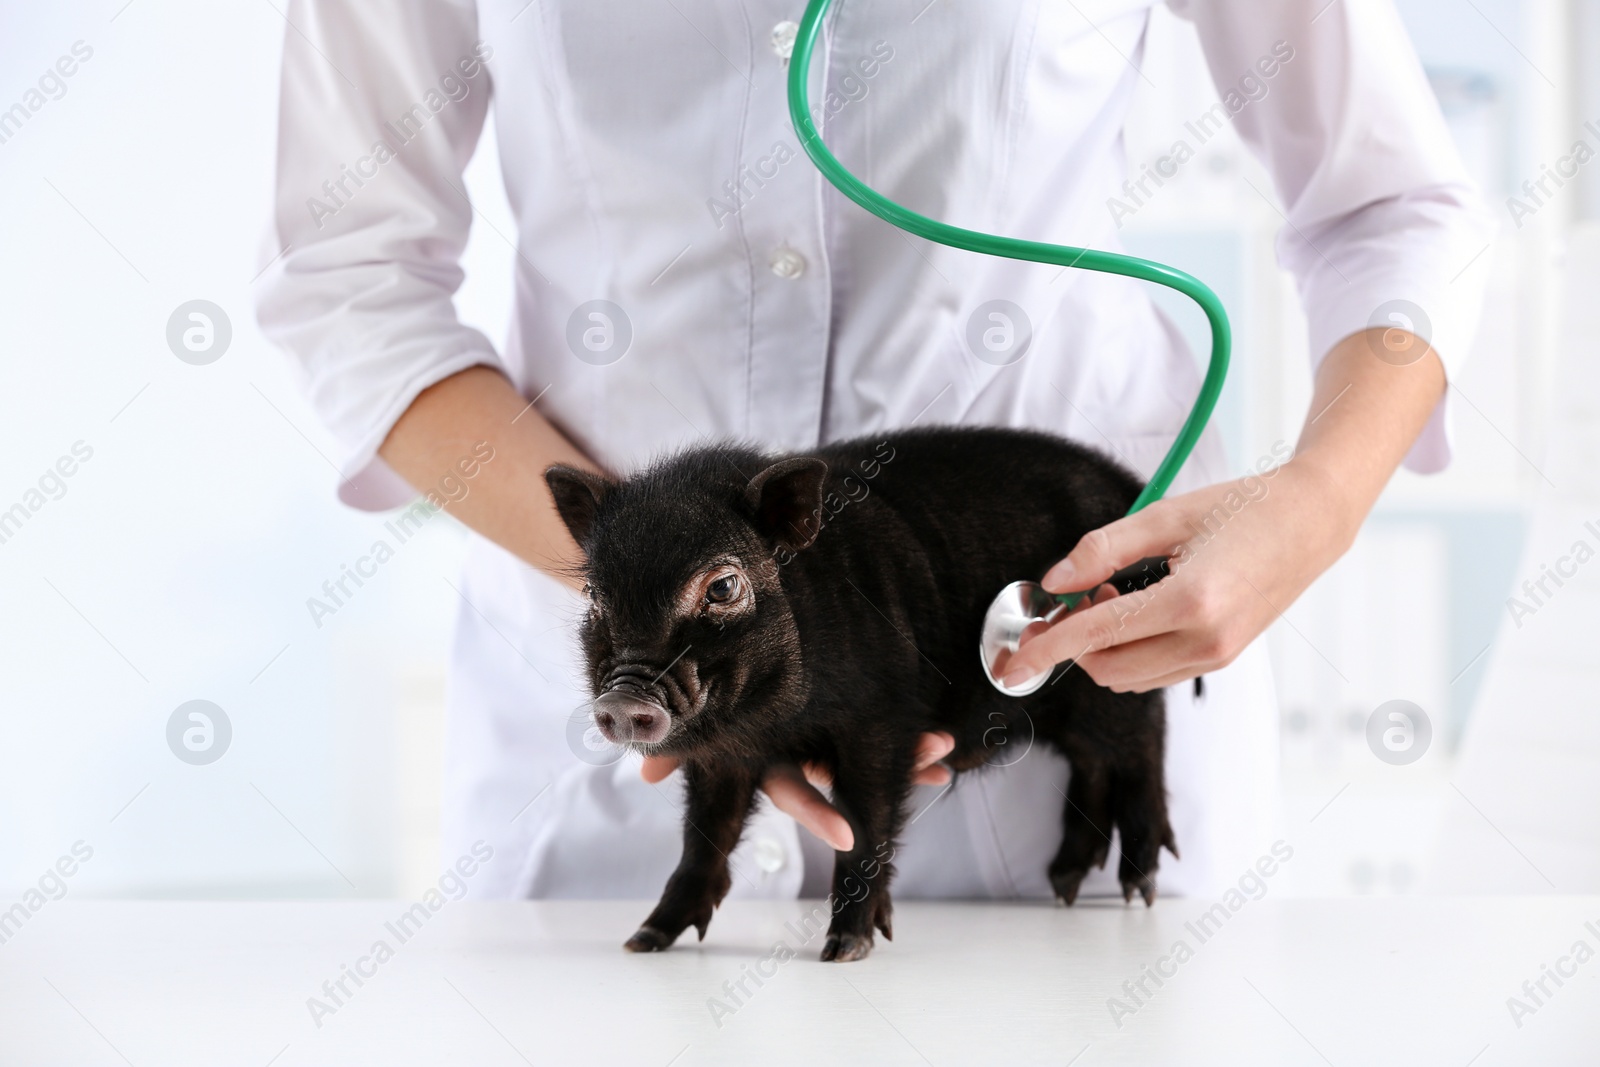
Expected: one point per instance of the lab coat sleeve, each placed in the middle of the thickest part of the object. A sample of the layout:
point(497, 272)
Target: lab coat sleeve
point(380, 108)
point(1382, 224)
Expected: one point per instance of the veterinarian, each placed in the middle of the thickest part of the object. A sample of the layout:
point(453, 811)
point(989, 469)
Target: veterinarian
point(682, 272)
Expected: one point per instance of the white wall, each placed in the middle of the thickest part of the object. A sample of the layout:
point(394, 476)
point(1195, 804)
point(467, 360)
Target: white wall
point(177, 564)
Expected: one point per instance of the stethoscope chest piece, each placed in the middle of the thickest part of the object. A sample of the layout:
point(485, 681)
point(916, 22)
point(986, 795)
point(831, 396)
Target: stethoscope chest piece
point(1021, 609)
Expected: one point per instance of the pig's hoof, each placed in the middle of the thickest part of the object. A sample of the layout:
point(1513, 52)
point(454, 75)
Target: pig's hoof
point(842, 948)
point(1146, 886)
point(648, 939)
point(1066, 884)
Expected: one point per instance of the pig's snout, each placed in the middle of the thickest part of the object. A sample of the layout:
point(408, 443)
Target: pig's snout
point(623, 718)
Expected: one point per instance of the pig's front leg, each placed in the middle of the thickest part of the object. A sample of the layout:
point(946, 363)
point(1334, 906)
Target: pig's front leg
point(717, 802)
point(871, 794)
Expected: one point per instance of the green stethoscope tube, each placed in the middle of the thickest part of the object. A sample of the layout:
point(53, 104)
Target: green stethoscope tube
point(1012, 248)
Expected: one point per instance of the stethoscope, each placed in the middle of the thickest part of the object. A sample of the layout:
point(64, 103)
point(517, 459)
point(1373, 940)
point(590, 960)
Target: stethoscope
point(1023, 606)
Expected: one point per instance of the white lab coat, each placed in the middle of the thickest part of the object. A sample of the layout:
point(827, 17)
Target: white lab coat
point(648, 157)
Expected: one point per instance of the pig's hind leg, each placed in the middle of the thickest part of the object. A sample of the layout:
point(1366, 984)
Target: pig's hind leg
point(1086, 828)
point(1115, 744)
point(718, 801)
point(1139, 805)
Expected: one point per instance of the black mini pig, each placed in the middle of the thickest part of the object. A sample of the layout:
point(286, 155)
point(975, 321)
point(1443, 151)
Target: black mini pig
point(747, 611)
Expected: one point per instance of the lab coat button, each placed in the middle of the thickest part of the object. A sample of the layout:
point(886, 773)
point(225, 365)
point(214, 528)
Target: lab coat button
point(787, 263)
point(783, 35)
point(770, 856)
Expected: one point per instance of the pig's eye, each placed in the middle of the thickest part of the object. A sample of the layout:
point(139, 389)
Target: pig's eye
point(719, 593)
point(722, 590)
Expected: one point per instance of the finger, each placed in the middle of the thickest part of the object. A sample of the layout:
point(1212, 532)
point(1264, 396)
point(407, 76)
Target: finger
point(1177, 678)
point(1099, 596)
point(931, 748)
point(1140, 666)
point(656, 768)
point(1116, 621)
point(1099, 554)
point(817, 775)
point(791, 794)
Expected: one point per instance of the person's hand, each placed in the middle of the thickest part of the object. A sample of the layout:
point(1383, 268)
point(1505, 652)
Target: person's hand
point(1240, 552)
point(797, 791)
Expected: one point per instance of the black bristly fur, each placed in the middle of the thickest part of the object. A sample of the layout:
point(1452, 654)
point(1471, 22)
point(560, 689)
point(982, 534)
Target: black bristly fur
point(870, 579)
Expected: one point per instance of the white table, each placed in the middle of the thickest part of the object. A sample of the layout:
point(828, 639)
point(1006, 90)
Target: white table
point(1345, 982)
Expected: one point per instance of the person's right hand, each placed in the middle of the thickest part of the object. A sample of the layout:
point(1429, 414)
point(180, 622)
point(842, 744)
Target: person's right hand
point(797, 790)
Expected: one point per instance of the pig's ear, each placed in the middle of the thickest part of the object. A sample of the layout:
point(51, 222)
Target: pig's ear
point(787, 498)
point(577, 494)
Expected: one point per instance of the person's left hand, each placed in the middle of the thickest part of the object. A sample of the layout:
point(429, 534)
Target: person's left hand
point(797, 791)
point(1239, 552)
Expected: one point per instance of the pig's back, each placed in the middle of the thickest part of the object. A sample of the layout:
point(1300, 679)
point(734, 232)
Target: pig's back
point(931, 524)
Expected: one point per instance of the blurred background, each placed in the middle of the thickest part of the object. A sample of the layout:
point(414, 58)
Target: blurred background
point(173, 563)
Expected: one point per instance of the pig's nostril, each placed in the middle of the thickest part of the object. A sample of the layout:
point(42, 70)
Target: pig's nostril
point(650, 726)
point(622, 717)
point(648, 723)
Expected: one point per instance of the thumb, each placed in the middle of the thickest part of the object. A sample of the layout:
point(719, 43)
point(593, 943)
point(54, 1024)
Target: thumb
point(791, 794)
point(655, 768)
